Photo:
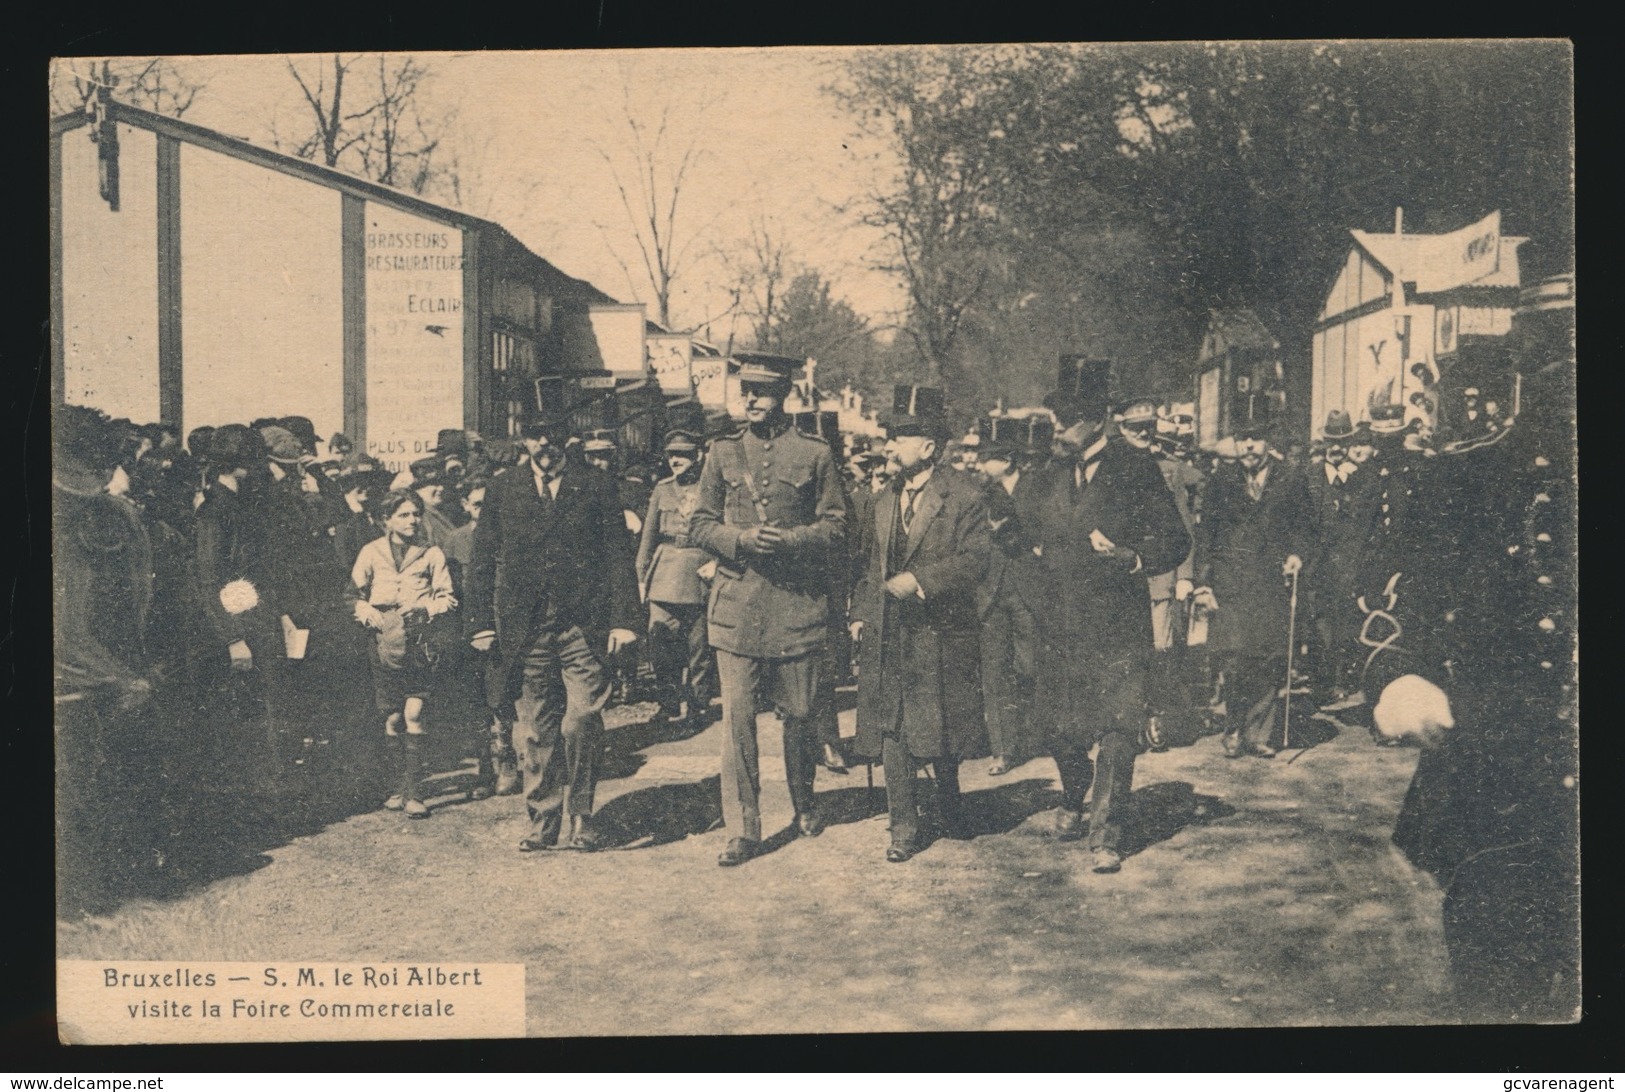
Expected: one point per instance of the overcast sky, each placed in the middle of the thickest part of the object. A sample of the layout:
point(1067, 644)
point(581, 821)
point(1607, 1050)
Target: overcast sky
point(769, 142)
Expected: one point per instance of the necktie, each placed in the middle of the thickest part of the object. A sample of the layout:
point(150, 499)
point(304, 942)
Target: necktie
point(909, 497)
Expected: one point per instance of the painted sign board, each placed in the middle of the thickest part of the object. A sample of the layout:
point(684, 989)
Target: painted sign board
point(414, 294)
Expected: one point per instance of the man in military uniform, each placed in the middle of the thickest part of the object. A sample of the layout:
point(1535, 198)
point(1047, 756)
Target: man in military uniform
point(1008, 596)
point(772, 512)
point(669, 580)
point(1477, 666)
point(1102, 520)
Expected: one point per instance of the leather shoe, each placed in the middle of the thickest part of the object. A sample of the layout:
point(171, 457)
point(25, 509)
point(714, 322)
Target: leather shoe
point(738, 852)
point(1107, 860)
point(898, 852)
point(1261, 750)
point(832, 760)
point(482, 791)
point(543, 838)
point(999, 766)
point(583, 838)
point(1069, 826)
point(809, 824)
point(1231, 742)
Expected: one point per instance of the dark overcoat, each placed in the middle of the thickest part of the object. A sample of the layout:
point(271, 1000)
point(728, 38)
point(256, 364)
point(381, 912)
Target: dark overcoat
point(1012, 570)
point(1244, 544)
point(1486, 606)
point(920, 664)
point(1094, 618)
point(570, 554)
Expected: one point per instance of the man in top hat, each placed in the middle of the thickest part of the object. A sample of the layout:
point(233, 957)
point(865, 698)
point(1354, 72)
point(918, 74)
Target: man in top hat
point(1345, 494)
point(926, 552)
point(1256, 530)
point(552, 586)
point(1102, 521)
point(1007, 598)
point(668, 564)
point(771, 511)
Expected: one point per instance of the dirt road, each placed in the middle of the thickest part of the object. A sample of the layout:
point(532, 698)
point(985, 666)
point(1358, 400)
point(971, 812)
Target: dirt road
point(1256, 893)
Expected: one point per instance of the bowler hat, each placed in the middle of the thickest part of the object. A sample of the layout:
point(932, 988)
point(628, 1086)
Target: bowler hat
point(768, 368)
point(302, 430)
point(427, 472)
point(916, 411)
point(1082, 389)
point(450, 441)
point(1339, 426)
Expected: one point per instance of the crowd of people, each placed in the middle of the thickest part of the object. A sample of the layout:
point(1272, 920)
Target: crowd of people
point(247, 624)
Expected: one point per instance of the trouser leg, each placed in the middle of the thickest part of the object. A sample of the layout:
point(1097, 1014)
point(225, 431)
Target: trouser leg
point(741, 775)
point(1077, 772)
point(1122, 685)
point(902, 792)
point(702, 664)
point(667, 651)
point(586, 693)
point(999, 686)
point(945, 769)
point(538, 720)
point(1114, 780)
point(797, 692)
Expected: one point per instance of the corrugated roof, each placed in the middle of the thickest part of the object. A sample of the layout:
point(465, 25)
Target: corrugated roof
point(1433, 262)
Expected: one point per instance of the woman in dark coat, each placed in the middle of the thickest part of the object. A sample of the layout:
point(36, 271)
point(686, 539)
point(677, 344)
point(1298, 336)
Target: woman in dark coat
point(1255, 532)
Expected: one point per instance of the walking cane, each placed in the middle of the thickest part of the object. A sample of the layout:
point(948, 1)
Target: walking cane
point(1291, 647)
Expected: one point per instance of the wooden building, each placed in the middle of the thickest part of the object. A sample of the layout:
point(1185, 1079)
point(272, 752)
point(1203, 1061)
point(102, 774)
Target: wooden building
point(199, 279)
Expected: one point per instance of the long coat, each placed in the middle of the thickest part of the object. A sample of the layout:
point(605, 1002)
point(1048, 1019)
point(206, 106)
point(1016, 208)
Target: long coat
point(1094, 621)
point(1486, 602)
point(1093, 602)
point(568, 556)
point(920, 662)
point(1244, 544)
point(774, 606)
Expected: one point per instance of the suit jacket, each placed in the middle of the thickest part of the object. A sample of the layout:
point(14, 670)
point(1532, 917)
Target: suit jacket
point(775, 606)
point(563, 562)
point(1244, 544)
point(920, 661)
point(1095, 604)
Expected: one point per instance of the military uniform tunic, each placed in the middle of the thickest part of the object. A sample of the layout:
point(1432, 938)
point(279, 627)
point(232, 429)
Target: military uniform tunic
point(773, 606)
